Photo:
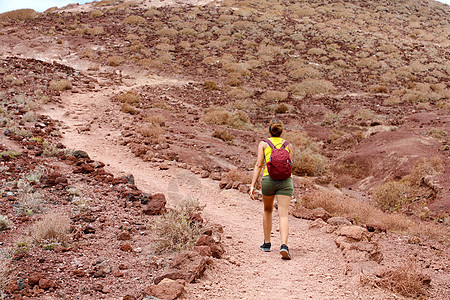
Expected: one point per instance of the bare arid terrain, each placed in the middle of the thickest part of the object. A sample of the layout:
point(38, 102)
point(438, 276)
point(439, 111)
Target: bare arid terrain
point(129, 132)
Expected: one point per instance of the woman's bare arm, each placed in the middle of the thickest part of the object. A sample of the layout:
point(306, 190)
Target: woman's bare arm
point(258, 166)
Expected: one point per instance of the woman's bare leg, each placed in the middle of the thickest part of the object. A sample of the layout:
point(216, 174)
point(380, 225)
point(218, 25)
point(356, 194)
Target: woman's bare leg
point(267, 217)
point(283, 209)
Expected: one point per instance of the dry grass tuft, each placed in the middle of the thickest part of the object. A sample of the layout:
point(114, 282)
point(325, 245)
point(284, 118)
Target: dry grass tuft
point(363, 213)
point(157, 119)
point(240, 176)
point(60, 85)
point(405, 280)
point(134, 20)
point(210, 85)
point(312, 87)
point(52, 229)
point(392, 195)
point(275, 96)
point(224, 135)
point(19, 14)
point(115, 60)
point(129, 97)
point(152, 131)
point(129, 109)
point(5, 223)
point(221, 116)
point(176, 230)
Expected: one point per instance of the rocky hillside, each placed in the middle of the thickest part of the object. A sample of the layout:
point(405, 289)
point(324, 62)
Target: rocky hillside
point(362, 88)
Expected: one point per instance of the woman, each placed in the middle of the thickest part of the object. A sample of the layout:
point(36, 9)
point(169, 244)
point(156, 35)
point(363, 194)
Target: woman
point(270, 188)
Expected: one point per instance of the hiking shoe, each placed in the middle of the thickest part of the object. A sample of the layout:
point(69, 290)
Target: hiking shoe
point(265, 247)
point(284, 251)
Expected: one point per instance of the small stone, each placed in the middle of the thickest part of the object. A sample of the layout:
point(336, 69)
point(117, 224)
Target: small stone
point(204, 174)
point(124, 236)
point(79, 273)
point(338, 221)
point(126, 248)
point(98, 287)
point(46, 284)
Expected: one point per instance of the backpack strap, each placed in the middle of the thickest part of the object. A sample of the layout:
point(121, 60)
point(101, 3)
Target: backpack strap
point(269, 142)
point(285, 144)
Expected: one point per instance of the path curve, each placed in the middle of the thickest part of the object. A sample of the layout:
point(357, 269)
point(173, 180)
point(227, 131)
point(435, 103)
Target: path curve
point(318, 268)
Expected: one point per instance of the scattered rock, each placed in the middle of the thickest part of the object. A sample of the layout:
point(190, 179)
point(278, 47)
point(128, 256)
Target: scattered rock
point(80, 154)
point(34, 278)
point(186, 265)
point(46, 283)
point(88, 229)
point(126, 248)
point(98, 287)
point(216, 248)
point(167, 289)
point(317, 223)
point(204, 174)
point(124, 236)
point(216, 176)
point(339, 221)
point(79, 273)
point(355, 232)
point(376, 227)
point(156, 205)
point(310, 214)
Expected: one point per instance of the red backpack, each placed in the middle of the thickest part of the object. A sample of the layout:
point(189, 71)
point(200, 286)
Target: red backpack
point(279, 165)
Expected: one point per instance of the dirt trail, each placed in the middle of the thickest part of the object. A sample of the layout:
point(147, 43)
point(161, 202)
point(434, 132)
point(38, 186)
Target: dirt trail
point(318, 268)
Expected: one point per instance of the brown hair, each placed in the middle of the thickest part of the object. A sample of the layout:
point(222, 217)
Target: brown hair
point(275, 128)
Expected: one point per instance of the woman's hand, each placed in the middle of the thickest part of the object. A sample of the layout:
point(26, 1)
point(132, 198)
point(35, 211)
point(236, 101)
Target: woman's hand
point(252, 193)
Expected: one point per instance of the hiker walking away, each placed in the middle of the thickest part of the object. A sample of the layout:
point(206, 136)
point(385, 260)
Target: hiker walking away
point(276, 153)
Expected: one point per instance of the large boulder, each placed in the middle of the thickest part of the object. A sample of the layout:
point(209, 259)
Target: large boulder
point(186, 265)
point(156, 205)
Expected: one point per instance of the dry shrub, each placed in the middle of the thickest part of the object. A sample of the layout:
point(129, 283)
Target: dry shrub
point(393, 100)
point(5, 223)
point(275, 96)
point(392, 195)
point(157, 119)
point(168, 32)
point(308, 163)
point(424, 167)
point(98, 30)
point(89, 53)
point(152, 12)
point(96, 13)
point(316, 51)
point(150, 131)
point(282, 108)
point(60, 85)
point(239, 93)
point(240, 176)
point(405, 280)
point(115, 60)
point(176, 230)
point(129, 109)
point(224, 135)
point(29, 116)
point(19, 14)
point(221, 116)
point(31, 203)
point(312, 87)
point(305, 72)
point(52, 229)
point(299, 140)
point(365, 114)
point(129, 97)
point(210, 85)
point(133, 20)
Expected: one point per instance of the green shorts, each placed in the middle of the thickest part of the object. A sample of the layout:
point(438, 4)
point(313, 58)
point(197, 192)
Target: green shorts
point(270, 187)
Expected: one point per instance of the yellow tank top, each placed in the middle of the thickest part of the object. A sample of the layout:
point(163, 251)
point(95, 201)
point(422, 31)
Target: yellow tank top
point(277, 142)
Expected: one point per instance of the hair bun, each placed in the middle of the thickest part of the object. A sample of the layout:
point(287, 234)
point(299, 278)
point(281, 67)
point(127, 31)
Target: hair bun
point(276, 127)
